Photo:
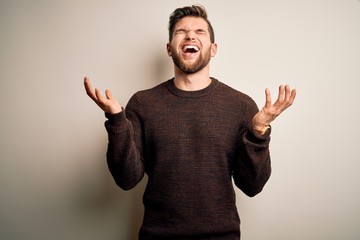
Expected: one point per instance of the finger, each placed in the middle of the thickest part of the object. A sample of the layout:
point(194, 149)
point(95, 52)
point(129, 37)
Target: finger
point(87, 85)
point(108, 94)
point(87, 82)
point(281, 93)
point(289, 95)
point(292, 96)
point(267, 98)
point(89, 89)
point(99, 97)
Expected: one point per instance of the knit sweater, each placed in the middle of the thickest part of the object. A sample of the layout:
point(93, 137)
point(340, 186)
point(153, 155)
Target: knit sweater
point(191, 144)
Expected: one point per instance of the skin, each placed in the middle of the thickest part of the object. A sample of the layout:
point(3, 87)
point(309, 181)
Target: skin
point(191, 31)
point(194, 31)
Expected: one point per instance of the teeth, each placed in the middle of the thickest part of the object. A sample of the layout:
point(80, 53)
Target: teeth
point(191, 47)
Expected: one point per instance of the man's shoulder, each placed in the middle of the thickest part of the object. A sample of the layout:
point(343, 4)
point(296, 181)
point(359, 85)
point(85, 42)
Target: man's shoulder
point(147, 96)
point(235, 100)
point(158, 89)
point(229, 91)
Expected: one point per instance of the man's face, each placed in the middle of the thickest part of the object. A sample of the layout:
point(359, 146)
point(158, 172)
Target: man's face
point(191, 48)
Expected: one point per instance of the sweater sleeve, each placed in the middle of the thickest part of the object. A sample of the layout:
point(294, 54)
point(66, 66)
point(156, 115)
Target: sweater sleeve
point(252, 168)
point(124, 153)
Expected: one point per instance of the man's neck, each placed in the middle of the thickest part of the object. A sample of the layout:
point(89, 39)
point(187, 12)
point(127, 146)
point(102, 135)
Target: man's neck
point(192, 82)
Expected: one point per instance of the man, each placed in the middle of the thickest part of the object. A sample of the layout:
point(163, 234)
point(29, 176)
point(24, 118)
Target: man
point(191, 135)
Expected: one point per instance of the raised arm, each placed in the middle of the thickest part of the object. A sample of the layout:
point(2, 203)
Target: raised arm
point(124, 156)
point(253, 168)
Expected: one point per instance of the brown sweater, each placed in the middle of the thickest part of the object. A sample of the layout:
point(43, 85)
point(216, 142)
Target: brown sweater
point(190, 144)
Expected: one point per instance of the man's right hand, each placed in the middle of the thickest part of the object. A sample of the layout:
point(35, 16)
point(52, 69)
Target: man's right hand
point(108, 104)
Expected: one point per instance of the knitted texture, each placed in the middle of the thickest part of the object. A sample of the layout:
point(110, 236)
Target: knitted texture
point(191, 144)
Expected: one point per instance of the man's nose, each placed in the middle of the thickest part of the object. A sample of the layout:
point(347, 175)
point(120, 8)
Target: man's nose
point(190, 35)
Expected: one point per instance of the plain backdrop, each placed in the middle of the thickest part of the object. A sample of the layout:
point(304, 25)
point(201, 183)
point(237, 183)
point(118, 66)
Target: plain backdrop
point(54, 181)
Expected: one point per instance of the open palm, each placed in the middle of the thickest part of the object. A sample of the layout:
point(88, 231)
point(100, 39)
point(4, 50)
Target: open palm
point(270, 111)
point(108, 104)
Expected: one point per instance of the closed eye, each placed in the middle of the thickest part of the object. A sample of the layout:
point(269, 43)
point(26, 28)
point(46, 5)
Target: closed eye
point(201, 31)
point(180, 31)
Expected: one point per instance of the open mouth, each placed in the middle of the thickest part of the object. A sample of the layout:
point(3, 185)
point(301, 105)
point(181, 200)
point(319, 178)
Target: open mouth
point(190, 49)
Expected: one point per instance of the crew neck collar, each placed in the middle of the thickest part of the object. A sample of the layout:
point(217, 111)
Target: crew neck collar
point(198, 93)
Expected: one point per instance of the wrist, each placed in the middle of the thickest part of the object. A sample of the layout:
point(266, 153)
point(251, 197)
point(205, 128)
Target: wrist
point(114, 110)
point(261, 129)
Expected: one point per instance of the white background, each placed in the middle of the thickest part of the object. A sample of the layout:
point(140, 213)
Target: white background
point(54, 182)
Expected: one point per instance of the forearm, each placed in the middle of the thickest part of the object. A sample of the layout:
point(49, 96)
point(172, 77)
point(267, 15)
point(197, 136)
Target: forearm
point(253, 167)
point(123, 155)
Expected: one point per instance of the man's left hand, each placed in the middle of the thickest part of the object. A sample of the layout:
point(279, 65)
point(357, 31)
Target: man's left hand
point(261, 121)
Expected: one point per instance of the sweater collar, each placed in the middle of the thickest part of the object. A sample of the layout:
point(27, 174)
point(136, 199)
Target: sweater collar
point(199, 93)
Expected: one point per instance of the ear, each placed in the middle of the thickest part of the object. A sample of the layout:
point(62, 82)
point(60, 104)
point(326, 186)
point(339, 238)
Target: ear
point(213, 49)
point(168, 49)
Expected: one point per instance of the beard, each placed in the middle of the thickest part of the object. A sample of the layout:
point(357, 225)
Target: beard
point(189, 68)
